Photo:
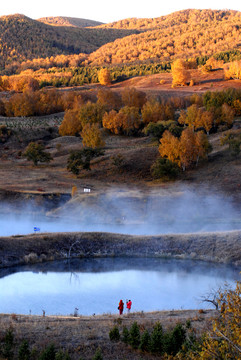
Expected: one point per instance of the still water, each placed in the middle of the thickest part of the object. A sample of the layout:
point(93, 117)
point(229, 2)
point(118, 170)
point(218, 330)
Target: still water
point(97, 285)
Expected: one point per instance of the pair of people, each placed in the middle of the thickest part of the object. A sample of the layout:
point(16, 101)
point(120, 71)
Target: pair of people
point(121, 306)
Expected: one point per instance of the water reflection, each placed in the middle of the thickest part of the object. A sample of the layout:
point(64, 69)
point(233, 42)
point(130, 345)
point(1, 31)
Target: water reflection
point(97, 285)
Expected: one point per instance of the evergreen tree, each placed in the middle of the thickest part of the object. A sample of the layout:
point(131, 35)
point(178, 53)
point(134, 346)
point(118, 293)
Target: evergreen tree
point(114, 334)
point(125, 335)
point(7, 350)
point(134, 340)
point(24, 352)
point(145, 341)
point(98, 355)
point(48, 354)
point(156, 345)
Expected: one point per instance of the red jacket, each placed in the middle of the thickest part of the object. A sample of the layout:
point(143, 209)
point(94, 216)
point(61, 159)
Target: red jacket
point(128, 305)
point(121, 305)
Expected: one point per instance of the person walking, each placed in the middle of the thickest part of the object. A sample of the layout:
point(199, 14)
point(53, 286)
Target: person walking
point(121, 307)
point(128, 305)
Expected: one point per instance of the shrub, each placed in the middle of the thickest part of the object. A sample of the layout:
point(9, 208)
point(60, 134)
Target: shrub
point(155, 129)
point(35, 152)
point(114, 334)
point(80, 159)
point(165, 169)
point(117, 160)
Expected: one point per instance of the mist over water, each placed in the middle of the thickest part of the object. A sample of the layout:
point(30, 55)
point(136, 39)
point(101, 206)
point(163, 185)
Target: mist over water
point(127, 211)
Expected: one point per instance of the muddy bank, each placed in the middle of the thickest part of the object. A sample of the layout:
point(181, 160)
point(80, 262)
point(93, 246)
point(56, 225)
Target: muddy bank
point(217, 247)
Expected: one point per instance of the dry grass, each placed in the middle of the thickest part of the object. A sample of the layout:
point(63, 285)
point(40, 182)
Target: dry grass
point(81, 336)
point(217, 247)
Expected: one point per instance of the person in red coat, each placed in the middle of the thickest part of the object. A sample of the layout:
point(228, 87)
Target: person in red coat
point(128, 305)
point(121, 307)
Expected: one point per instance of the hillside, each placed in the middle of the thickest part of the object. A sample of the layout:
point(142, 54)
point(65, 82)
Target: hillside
point(22, 38)
point(176, 18)
point(187, 33)
point(68, 21)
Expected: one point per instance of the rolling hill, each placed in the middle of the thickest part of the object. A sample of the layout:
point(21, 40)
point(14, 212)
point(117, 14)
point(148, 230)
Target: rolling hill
point(22, 38)
point(186, 34)
point(69, 21)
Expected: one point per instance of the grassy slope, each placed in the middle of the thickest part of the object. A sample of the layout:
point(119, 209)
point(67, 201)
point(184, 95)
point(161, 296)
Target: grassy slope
point(220, 247)
point(81, 336)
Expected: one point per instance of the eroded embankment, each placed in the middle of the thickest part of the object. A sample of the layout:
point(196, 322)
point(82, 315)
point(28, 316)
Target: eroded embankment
point(218, 247)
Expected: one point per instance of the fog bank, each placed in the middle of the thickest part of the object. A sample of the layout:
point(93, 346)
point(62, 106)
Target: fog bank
point(127, 211)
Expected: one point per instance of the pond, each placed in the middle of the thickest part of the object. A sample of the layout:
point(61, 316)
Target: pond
point(95, 286)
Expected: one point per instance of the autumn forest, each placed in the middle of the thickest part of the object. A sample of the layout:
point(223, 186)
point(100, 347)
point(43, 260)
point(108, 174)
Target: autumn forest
point(153, 104)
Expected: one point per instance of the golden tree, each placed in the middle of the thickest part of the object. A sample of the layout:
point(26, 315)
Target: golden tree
point(227, 114)
point(169, 147)
point(132, 97)
point(130, 119)
point(90, 113)
point(152, 111)
point(233, 70)
point(91, 136)
point(104, 77)
point(110, 122)
point(185, 151)
point(206, 121)
point(71, 124)
point(191, 117)
point(224, 340)
point(110, 100)
point(126, 121)
point(180, 75)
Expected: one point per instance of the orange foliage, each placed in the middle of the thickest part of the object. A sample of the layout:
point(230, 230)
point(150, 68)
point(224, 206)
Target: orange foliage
point(71, 124)
point(104, 77)
point(184, 34)
point(108, 99)
point(132, 97)
point(91, 136)
point(233, 70)
point(126, 121)
point(227, 114)
point(185, 151)
point(153, 111)
point(180, 75)
point(20, 83)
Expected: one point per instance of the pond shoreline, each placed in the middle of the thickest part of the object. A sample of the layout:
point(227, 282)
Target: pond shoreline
point(221, 247)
